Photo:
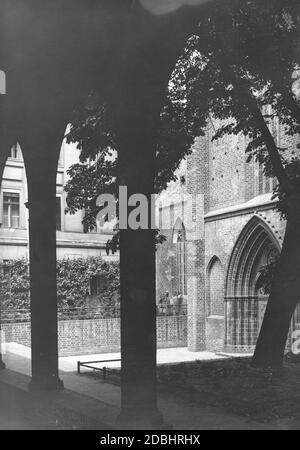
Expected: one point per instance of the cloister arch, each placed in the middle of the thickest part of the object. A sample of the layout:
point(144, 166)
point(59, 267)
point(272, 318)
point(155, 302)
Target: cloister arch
point(244, 301)
point(139, 51)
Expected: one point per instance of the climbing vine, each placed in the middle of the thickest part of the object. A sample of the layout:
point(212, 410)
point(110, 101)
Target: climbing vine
point(73, 283)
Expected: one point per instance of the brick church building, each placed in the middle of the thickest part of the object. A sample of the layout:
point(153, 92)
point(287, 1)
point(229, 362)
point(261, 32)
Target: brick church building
point(221, 226)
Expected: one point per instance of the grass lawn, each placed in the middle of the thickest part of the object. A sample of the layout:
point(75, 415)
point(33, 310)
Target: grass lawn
point(234, 386)
point(231, 385)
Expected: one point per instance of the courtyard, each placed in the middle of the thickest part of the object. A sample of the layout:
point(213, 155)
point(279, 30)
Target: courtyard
point(149, 320)
point(207, 391)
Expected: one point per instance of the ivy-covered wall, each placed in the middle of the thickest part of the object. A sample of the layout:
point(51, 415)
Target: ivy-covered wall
point(73, 283)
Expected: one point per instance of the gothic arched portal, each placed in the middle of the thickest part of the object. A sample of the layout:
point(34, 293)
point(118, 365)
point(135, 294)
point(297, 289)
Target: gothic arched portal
point(245, 301)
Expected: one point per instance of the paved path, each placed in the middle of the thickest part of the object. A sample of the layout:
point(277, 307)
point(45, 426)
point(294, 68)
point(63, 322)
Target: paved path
point(101, 401)
point(69, 363)
point(21, 409)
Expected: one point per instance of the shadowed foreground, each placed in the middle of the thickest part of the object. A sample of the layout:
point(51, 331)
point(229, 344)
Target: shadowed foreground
point(21, 410)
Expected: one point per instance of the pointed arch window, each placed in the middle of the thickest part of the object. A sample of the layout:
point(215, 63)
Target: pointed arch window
point(179, 239)
point(265, 184)
point(215, 288)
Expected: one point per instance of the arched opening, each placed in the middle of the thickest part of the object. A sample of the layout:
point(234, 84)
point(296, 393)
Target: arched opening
point(245, 301)
point(14, 266)
point(179, 239)
point(215, 291)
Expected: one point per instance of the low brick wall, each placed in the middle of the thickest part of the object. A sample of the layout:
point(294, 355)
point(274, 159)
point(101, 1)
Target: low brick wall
point(77, 337)
point(16, 332)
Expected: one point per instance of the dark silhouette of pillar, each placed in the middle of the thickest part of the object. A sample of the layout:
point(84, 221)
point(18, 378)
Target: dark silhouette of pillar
point(41, 152)
point(137, 97)
point(136, 152)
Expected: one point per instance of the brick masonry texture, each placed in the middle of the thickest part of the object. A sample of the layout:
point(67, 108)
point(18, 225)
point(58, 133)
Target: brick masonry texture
point(226, 171)
point(77, 337)
point(229, 194)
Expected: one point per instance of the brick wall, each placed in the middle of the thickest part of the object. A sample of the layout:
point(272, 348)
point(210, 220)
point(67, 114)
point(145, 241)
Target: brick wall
point(218, 176)
point(16, 332)
point(197, 182)
point(226, 177)
point(77, 337)
point(215, 332)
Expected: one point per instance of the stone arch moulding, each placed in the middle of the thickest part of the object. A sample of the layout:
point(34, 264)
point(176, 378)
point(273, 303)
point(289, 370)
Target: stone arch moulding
point(244, 305)
point(255, 234)
point(211, 262)
point(178, 231)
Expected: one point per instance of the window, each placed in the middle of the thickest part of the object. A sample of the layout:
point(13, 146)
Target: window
point(171, 214)
point(11, 210)
point(14, 153)
point(181, 262)
point(6, 266)
point(160, 217)
point(87, 226)
point(95, 285)
point(265, 183)
point(179, 239)
point(58, 213)
point(60, 158)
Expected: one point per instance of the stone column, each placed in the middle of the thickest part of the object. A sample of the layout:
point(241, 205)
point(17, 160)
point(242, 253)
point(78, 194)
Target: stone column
point(136, 152)
point(43, 297)
point(41, 153)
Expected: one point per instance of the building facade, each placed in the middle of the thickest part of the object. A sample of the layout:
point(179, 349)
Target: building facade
point(72, 241)
point(222, 228)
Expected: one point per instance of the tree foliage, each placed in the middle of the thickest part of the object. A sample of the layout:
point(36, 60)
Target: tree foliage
point(239, 71)
point(243, 59)
point(97, 171)
point(242, 69)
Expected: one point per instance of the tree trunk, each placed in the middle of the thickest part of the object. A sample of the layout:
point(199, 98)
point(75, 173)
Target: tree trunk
point(283, 298)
